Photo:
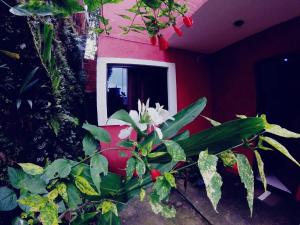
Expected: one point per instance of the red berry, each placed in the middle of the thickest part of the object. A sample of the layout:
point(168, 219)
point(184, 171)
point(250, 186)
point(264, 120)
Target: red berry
point(153, 40)
point(154, 174)
point(177, 31)
point(188, 21)
point(163, 43)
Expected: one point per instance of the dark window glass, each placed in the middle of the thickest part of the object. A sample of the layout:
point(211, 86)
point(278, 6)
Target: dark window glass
point(128, 83)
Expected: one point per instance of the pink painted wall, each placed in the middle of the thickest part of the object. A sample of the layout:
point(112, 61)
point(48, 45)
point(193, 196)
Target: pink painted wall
point(192, 75)
point(232, 69)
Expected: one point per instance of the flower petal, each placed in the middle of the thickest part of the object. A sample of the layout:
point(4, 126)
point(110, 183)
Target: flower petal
point(159, 133)
point(125, 133)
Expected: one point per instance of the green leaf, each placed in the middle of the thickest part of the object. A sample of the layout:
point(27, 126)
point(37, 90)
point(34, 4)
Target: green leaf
point(213, 181)
point(275, 144)
point(90, 145)
point(93, 4)
point(98, 165)
point(125, 16)
point(109, 219)
point(278, 130)
point(125, 117)
point(84, 186)
point(73, 196)
point(62, 191)
point(126, 143)
point(8, 199)
point(228, 158)
point(142, 194)
point(246, 174)
point(49, 214)
point(158, 207)
point(162, 188)
point(130, 167)
point(58, 168)
point(182, 118)
point(171, 179)
point(156, 154)
point(176, 152)
point(153, 4)
point(34, 202)
point(15, 176)
point(140, 167)
point(212, 122)
point(99, 133)
point(260, 165)
point(34, 184)
point(182, 136)
point(31, 168)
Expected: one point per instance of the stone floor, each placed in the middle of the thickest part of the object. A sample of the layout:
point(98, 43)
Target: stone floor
point(277, 209)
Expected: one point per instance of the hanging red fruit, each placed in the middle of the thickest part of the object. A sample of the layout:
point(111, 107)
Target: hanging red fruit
point(177, 31)
point(153, 40)
point(162, 42)
point(188, 21)
point(154, 174)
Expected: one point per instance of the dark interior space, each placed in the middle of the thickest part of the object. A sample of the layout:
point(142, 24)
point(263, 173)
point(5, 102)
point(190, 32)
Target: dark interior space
point(128, 83)
point(277, 82)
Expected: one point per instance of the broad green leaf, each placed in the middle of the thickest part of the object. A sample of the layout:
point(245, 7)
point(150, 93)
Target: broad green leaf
point(260, 165)
point(278, 130)
point(16, 177)
point(130, 167)
point(98, 165)
point(92, 4)
point(142, 194)
point(247, 178)
point(126, 143)
point(8, 199)
point(171, 179)
point(212, 122)
point(160, 208)
point(228, 158)
point(62, 191)
point(176, 152)
point(89, 144)
point(84, 186)
point(34, 202)
point(182, 136)
point(275, 144)
point(125, 117)
point(213, 181)
point(31, 168)
point(49, 214)
point(34, 184)
point(99, 133)
point(109, 218)
point(58, 168)
point(182, 118)
point(107, 206)
point(73, 197)
point(216, 139)
point(140, 167)
point(153, 4)
point(52, 195)
point(162, 188)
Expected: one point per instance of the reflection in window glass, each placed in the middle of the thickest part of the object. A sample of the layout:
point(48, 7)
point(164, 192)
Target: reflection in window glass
point(128, 83)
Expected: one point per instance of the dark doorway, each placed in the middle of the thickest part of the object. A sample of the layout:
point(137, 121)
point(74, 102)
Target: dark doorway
point(278, 96)
point(128, 83)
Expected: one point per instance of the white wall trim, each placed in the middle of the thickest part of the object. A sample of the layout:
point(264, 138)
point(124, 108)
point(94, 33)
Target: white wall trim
point(102, 84)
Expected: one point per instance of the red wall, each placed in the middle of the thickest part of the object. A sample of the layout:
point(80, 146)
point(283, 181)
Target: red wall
point(232, 69)
point(192, 75)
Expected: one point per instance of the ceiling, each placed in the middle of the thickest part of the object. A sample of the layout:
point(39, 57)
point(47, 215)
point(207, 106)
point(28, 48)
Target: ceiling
point(213, 22)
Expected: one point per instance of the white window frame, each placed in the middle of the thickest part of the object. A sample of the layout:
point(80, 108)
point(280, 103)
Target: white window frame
point(101, 85)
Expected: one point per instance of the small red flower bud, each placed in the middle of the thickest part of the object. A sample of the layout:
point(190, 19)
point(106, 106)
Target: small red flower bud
point(177, 31)
point(188, 21)
point(154, 174)
point(163, 43)
point(153, 40)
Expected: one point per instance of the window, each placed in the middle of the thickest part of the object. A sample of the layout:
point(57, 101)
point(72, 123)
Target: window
point(121, 82)
point(128, 83)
